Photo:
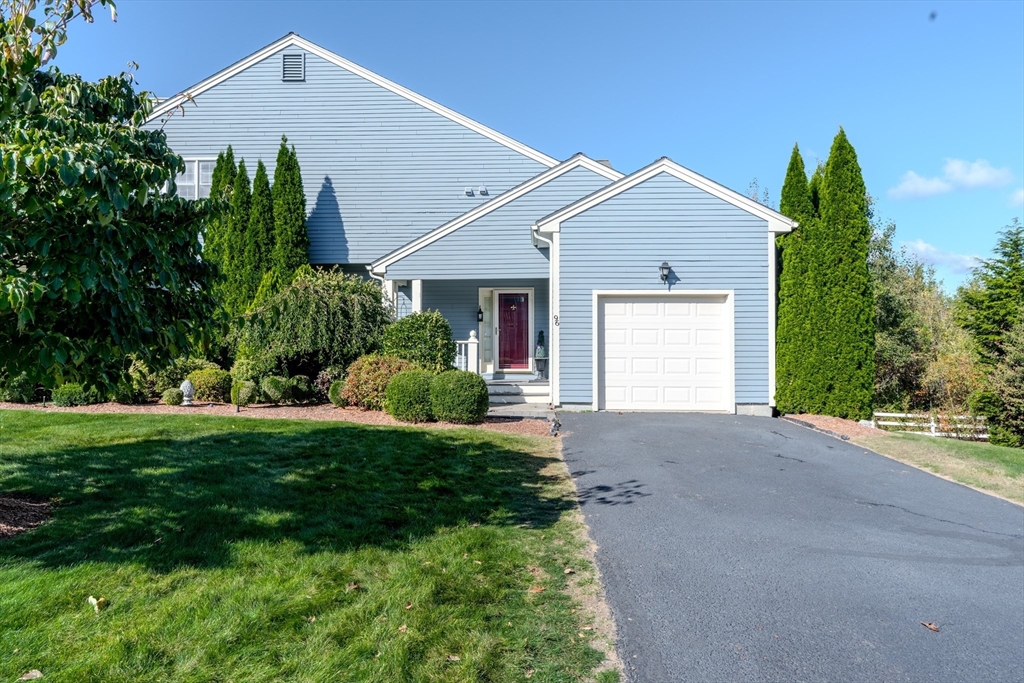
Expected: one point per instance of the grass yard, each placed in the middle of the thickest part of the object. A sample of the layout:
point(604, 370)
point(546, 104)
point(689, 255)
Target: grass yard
point(269, 550)
point(993, 468)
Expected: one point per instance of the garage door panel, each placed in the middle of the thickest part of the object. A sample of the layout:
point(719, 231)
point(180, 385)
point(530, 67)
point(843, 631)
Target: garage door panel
point(664, 353)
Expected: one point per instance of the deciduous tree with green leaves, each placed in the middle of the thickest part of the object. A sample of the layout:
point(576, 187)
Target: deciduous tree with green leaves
point(97, 263)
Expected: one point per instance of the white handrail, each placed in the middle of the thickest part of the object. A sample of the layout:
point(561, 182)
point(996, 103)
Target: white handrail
point(972, 427)
point(467, 353)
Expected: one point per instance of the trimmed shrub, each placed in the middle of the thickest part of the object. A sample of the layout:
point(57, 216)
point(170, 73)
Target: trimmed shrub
point(174, 374)
point(125, 394)
point(422, 338)
point(302, 389)
point(368, 379)
point(336, 394)
point(325, 379)
point(459, 396)
point(19, 389)
point(211, 385)
point(172, 397)
point(243, 393)
point(70, 394)
point(407, 397)
point(276, 389)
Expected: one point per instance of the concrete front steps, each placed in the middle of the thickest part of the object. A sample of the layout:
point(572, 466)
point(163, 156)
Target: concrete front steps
point(511, 391)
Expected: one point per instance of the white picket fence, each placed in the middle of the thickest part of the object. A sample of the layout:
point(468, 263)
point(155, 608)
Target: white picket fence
point(966, 427)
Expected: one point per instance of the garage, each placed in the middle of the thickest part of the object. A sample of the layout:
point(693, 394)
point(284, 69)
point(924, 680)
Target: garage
point(664, 351)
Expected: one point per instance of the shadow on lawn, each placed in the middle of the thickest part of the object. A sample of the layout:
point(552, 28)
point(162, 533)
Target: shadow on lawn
point(176, 492)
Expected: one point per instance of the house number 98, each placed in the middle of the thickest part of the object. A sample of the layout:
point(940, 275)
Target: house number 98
point(556, 321)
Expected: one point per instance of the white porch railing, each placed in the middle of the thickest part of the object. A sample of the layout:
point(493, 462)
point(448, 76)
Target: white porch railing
point(968, 427)
point(467, 353)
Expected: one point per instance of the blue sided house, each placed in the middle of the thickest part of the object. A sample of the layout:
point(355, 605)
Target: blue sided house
point(565, 282)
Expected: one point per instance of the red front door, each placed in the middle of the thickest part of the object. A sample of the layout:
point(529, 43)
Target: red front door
point(513, 331)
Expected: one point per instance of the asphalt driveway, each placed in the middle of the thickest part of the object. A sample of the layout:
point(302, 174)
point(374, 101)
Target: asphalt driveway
point(751, 549)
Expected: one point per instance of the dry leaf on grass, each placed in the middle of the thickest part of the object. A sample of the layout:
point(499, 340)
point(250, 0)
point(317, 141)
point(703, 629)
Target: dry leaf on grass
point(408, 605)
point(568, 570)
point(535, 589)
point(477, 562)
point(529, 673)
point(97, 604)
point(353, 586)
point(31, 675)
point(454, 658)
point(403, 628)
point(930, 626)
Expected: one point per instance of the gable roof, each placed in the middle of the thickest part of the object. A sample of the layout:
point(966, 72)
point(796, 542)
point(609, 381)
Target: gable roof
point(168, 105)
point(379, 267)
point(776, 221)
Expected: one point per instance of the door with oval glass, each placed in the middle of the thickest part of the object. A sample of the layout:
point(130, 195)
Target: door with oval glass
point(513, 330)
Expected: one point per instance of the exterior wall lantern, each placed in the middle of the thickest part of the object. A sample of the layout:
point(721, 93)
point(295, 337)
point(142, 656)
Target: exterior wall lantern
point(664, 269)
point(479, 315)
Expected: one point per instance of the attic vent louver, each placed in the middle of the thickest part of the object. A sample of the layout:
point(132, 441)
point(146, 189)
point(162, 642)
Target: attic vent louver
point(293, 67)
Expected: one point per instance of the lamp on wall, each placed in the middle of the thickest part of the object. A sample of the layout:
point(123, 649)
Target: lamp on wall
point(664, 269)
point(479, 315)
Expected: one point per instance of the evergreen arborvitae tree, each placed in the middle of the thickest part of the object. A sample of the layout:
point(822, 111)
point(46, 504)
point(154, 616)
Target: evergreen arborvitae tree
point(795, 331)
point(234, 262)
point(259, 237)
point(291, 241)
point(845, 325)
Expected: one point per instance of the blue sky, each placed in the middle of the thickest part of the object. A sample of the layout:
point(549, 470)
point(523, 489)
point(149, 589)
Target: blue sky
point(934, 107)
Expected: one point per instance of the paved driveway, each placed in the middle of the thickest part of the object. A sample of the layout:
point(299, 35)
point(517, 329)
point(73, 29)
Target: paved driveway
point(750, 549)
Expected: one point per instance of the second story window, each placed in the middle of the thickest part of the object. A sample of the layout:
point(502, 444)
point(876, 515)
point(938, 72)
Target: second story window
point(195, 182)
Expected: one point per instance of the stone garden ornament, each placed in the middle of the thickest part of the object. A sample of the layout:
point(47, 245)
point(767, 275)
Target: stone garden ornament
point(188, 392)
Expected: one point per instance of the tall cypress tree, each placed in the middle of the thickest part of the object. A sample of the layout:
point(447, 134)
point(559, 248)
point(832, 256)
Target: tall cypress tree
point(259, 238)
point(795, 331)
point(846, 341)
point(238, 223)
point(291, 241)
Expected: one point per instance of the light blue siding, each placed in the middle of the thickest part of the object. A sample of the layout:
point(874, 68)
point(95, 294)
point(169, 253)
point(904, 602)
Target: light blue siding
point(403, 306)
point(499, 242)
point(458, 300)
point(379, 170)
point(620, 243)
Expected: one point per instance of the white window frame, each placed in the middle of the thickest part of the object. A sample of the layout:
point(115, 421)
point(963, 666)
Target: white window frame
point(196, 165)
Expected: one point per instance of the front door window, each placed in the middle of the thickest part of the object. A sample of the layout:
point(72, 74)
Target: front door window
point(513, 331)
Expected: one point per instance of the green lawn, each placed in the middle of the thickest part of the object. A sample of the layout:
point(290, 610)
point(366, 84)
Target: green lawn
point(993, 468)
point(269, 550)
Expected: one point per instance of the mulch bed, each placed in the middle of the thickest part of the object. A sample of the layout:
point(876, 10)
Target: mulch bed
point(836, 426)
point(510, 425)
point(21, 513)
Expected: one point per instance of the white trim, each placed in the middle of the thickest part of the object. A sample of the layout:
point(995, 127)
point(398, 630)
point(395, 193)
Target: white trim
point(579, 160)
point(555, 305)
point(495, 343)
point(773, 263)
point(417, 296)
point(293, 40)
point(730, 309)
point(776, 221)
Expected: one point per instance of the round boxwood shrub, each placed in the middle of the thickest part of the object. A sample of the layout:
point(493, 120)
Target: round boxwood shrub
point(302, 389)
point(422, 338)
point(276, 389)
point(211, 385)
point(243, 393)
point(336, 394)
point(459, 396)
point(367, 380)
point(70, 394)
point(172, 397)
point(407, 397)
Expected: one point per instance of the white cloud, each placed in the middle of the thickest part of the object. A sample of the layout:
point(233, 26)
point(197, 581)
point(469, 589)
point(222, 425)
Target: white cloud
point(969, 175)
point(914, 186)
point(951, 261)
point(958, 174)
point(1017, 198)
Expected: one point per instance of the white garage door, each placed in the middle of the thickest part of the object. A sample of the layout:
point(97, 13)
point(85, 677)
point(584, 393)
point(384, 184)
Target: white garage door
point(664, 353)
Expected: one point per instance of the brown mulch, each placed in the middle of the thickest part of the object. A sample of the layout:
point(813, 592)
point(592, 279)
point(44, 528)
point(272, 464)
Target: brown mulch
point(847, 428)
point(509, 425)
point(21, 513)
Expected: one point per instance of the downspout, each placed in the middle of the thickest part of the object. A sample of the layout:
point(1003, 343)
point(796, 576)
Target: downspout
point(383, 289)
point(551, 300)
